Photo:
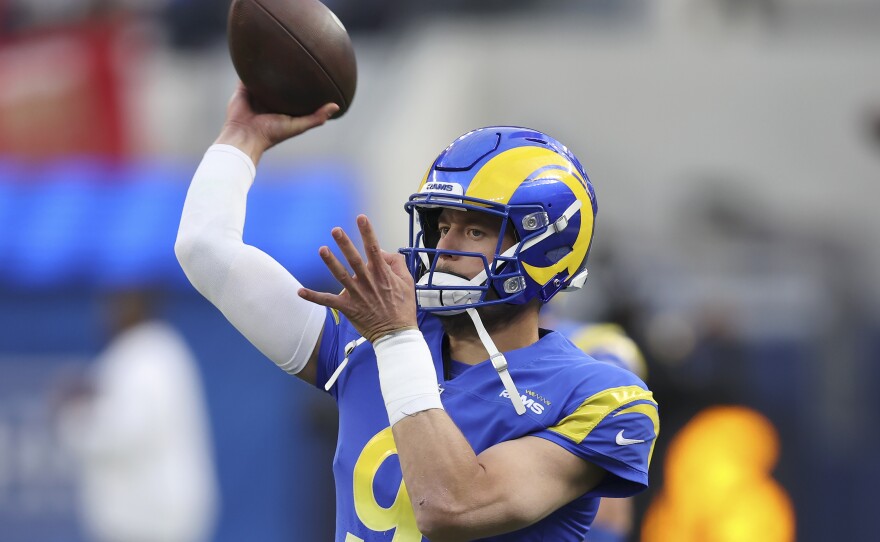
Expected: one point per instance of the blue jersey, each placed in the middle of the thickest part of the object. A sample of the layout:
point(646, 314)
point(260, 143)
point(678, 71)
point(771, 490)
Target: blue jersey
point(597, 411)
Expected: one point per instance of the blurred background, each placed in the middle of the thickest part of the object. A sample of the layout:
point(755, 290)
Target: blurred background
point(735, 150)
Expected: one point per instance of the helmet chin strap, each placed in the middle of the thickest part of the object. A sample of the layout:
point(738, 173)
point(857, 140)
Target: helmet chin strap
point(450, 297)
point(498, 361)
point(445, 298)
point(442, 298)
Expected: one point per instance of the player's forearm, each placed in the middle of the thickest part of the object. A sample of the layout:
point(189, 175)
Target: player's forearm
point(255, 293)
point(453, 496)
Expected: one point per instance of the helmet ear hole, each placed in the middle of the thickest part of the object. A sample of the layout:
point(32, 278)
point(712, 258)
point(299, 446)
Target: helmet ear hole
point(557, 254)
point(430, 219)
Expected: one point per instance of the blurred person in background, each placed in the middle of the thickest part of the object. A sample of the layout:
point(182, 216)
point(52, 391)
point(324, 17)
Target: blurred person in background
point(138, 430)
point(526, 458)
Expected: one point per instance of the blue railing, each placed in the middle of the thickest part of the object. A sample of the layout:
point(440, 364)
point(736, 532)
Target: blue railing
point(88, 222)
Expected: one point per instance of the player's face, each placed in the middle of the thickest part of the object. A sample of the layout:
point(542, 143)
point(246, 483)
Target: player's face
point(469, 231)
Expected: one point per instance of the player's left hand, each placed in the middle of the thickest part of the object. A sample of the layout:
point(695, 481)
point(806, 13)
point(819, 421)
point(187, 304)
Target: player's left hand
point(379, 297)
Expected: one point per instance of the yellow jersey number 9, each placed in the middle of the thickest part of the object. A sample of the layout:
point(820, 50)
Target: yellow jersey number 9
point(399, 516)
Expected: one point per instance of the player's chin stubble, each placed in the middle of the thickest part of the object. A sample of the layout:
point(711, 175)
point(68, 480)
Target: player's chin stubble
point(494, 318)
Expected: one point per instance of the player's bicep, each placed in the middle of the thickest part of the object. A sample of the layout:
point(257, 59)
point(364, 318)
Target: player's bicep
point(619, 437)
point(309, 373)
point(550, 475)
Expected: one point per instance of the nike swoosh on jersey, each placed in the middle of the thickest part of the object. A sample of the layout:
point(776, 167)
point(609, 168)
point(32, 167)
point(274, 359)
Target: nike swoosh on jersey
point(623, 441)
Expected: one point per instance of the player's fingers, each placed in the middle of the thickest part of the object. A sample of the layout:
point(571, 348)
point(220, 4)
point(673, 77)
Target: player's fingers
point(317, 118)
point(339, 272)
point(397, 263)
point(286, 126)
point(390, 257)
point(371, 243)
point(349, 251)
point(327, 110)
point(239, 105)
point(387, 256)
point(238, 93)
point(321, 298)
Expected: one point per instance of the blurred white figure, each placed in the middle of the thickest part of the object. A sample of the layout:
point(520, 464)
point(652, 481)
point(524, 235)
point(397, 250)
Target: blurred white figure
point(140, 434)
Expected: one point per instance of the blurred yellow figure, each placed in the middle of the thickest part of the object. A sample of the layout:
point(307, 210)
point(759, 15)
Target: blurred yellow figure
point(609, 343)
point(719, 486)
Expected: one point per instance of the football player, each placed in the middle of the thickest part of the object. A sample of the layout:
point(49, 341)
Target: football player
point(460, 418)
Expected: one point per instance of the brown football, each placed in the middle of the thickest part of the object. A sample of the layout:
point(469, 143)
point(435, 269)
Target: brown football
point(293, 56)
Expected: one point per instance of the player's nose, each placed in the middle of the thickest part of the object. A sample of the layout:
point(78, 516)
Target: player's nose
point(450, 241)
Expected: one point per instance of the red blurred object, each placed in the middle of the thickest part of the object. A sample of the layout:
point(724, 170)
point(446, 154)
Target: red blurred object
point(60, 92)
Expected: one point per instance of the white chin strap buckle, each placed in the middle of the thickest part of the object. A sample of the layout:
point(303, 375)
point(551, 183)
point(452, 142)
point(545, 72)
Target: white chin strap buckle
point(499, 362)
point(578, 281)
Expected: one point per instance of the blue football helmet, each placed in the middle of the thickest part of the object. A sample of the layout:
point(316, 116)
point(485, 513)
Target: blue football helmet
point(539, 190)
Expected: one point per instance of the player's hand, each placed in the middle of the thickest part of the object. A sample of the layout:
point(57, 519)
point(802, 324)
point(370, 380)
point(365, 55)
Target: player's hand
point(379, 297)
point(254, 130)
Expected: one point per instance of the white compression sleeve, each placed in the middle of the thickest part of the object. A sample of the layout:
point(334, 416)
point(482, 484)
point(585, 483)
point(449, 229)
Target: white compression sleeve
point(406, 374)
point(255, 293)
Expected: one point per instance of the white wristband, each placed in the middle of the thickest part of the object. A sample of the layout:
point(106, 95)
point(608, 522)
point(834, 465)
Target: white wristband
point(406, 374)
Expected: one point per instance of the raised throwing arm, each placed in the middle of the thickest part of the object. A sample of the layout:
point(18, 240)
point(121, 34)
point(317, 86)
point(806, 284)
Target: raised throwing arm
point(255, 293)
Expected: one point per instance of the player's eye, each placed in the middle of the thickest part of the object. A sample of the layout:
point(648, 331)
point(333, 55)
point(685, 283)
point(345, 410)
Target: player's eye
point(443, 230)
point(476, 234)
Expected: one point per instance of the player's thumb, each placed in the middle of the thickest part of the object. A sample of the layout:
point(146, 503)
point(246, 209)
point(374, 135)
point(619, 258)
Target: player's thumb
point(285, 126)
